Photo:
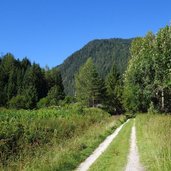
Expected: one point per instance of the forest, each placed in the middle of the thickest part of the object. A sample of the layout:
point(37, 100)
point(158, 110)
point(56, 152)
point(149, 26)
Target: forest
point(25, 85)
point(145, 85)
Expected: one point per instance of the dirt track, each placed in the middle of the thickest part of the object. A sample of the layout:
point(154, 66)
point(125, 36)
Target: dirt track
point(133, 158)
point(84, 166)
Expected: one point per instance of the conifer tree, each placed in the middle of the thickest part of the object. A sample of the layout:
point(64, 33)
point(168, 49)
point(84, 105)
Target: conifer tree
point(89, 86)
point(114, 91)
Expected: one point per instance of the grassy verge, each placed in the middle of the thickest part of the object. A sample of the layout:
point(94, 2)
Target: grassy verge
point(154, 141)
point(115, 157)
point(51, 139)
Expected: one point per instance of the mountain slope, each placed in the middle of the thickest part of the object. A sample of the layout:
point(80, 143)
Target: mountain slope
point(103, 52)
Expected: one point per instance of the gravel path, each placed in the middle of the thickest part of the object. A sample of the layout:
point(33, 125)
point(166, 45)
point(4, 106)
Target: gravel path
point(84, 166)
point(133, 158)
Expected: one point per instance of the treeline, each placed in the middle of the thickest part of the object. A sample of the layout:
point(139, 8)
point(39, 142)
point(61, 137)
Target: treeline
point(93, 91)
point(145, 86)
point(26, 85)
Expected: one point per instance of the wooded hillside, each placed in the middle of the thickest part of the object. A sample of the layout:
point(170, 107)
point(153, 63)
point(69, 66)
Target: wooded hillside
point(104, 53)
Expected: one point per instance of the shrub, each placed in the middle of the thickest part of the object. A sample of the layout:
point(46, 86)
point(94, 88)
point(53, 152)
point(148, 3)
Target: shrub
point(18, 102)
point(68, 100)
point(44, 102)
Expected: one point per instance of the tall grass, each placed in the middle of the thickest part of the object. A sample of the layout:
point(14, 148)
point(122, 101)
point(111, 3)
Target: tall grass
point(50, 139)
point(154, 141)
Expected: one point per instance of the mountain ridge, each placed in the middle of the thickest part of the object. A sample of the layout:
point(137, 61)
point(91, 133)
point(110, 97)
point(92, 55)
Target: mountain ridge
point(104, 53)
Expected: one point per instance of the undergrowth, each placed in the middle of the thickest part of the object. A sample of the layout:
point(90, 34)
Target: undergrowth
point(51, 139)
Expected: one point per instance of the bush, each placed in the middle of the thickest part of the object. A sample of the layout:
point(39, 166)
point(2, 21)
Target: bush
point(68, 100)
point(78, 107)
point(18, 102)
point(44, 102)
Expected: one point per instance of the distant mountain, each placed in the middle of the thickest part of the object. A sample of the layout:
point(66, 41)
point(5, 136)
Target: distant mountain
point(104, 53)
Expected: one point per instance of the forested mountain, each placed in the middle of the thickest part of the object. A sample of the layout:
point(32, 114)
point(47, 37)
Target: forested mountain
point(104, 53)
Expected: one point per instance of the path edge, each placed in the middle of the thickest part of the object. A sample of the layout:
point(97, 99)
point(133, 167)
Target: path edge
point(85, 165)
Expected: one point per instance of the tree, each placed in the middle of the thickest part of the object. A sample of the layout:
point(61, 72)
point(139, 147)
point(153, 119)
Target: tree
point(6, 67)
point(114, 91)
point(139, 76)
point(89, 86)
point(53, 78)
point(18, 102)
point(34, 79)
point(162, 65)
point(3, 97)
point(12, 84)
point(26, 83)
point(148, 79)
point(55, 94)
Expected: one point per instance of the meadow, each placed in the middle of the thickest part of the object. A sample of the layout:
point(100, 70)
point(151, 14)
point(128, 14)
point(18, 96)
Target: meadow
point(154, 141)
point(51, 139)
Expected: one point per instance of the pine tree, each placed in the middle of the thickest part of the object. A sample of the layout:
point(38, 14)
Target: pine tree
point(3, 97)
point(114, 91)
point(89, 86)
point(12, 87)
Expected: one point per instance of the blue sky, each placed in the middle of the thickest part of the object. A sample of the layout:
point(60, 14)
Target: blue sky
point(48, 31)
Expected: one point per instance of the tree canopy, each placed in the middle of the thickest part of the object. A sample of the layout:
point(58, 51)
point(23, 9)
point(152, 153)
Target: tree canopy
point(148, 77)
point(114, 88)
point(23, 84)
point(89, 86)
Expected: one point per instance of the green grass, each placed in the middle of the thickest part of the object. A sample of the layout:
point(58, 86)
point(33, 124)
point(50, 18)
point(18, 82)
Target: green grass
point(115, 157)
point(51, 139)
point(154, 141)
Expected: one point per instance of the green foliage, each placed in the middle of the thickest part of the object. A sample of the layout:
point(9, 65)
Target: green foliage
point(18, 102)
point(53, 78)
point(69, 100)
point(55, 94)
point(89, 86)
point(103, 52)
point(54, 97)
point(148, 78)
point(6, 65)
point(26, 83)
point(114, 91)
point(42, 103)
point(31, 135)
point(152, 109)
point(26, 100)
point(34, 78)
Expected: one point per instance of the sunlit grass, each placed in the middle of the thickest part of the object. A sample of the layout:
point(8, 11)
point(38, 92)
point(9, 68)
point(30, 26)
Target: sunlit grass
point(51, 139)
point(154, 141)
point(115, 157)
